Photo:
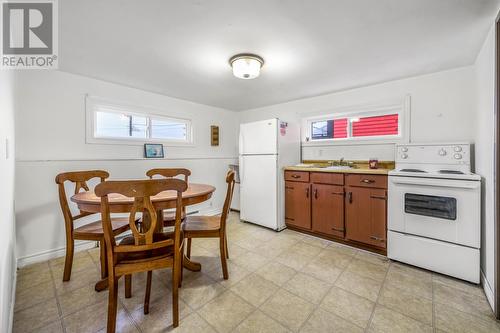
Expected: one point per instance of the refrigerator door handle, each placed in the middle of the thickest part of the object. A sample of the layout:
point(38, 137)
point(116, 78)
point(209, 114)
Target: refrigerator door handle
point(242, 172)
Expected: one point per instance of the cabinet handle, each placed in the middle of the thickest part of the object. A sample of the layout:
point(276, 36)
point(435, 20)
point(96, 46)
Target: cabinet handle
point(289, 187)
point(315, 193)
point(378, 197)
point(377, 238)
point(296, 176)
point(349, 197)
point(367, 181)
point(307, 192)
point(337, 229)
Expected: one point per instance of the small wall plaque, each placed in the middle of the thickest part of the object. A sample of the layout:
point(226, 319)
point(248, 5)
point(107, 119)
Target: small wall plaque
point(214, 135)
point(153, 150)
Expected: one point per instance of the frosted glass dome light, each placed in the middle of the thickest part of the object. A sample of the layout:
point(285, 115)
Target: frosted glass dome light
point(246, 66)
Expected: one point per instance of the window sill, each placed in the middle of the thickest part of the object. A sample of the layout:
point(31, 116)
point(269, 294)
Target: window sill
point(95, 141)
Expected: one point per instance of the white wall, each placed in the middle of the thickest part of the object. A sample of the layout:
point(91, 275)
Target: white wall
point(50, 132)
point(442, 107)
point(7, 235)
point(485, 130)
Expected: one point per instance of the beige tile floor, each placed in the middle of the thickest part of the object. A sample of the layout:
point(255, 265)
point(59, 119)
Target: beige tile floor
point(279, 282)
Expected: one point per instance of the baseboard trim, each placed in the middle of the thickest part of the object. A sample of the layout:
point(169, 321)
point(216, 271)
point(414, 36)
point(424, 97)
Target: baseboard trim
point(490, 295)
point(53, 253)
point(83, 245)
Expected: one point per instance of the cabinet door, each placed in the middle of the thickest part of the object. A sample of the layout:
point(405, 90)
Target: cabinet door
point(328, 209)
point(366, 215)
point(378, 226)
point(298, 204)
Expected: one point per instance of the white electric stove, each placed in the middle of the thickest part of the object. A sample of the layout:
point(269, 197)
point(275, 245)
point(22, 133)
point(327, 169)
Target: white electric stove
point(434, 209)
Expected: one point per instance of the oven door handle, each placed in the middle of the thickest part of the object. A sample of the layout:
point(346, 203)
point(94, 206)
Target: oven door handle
point(452, 183)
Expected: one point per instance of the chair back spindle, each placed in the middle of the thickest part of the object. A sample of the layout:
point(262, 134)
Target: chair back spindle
point(141, 191)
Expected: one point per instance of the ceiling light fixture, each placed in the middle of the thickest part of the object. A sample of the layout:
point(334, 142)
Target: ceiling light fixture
point(246, 66)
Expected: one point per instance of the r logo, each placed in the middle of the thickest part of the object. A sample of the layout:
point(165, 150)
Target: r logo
point(27, 28)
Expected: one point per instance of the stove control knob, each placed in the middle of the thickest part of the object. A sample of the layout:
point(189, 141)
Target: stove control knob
point(404, 149)
point(404, 156)
point(457, 156)
point(457, 149)
point(442, 152)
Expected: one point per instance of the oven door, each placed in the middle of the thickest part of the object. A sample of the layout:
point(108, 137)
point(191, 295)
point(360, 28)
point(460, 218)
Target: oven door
point(442, 209)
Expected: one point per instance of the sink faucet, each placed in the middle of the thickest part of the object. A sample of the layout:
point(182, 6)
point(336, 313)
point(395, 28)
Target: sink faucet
point(341, 162)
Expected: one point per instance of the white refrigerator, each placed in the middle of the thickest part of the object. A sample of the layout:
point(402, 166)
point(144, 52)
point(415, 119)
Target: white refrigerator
point(265, 147)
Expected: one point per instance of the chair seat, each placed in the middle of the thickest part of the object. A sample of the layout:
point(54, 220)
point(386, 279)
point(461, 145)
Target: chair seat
point(94, 231)
point(136, 257)
point(200, 225)
point(169, 218)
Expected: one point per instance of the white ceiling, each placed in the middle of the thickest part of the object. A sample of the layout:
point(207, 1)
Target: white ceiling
point(181, 48)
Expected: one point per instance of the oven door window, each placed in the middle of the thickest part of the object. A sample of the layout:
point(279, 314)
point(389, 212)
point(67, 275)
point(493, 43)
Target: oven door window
point(429, 205)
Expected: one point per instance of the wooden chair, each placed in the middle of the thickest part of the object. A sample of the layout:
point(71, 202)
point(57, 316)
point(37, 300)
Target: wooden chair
point(169, 216)
point(92, 231)
point(147, 248)
point(212, 226)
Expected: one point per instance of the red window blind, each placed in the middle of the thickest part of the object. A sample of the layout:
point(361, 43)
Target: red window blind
point(376, 126)
point(340, 128)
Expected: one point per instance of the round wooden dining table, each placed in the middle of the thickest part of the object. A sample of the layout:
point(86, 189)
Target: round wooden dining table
point(195, 194)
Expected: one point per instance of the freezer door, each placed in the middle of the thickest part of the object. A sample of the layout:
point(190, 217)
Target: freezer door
point(259, 190)
point(259, 137)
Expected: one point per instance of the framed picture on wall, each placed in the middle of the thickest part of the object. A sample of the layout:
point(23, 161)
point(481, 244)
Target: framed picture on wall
point(153, 150)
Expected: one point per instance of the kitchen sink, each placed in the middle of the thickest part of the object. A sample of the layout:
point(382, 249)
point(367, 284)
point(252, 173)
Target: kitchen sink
point(338, 167)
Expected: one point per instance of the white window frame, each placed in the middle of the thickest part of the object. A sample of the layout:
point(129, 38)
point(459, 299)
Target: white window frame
point(362, 111)
point(92, 105)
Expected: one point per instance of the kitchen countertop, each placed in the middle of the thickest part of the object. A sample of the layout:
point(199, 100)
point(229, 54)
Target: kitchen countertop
point(352, 170)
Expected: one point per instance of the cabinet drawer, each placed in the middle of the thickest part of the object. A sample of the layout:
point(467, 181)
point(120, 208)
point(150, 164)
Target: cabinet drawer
point(297, 176)
point(374, 181)
point(327, 178)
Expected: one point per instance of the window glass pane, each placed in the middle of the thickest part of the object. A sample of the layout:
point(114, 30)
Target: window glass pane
point(329, 129)
point(168, 129)
point(112, 125)
point(340, 128)
point(116, 125)
point(138, 127)
point(376, 126)
point(322, 129)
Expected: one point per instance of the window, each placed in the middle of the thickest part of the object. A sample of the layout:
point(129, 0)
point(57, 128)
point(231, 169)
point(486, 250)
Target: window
point(354, 127)
point(113, 123)
point(382, 123)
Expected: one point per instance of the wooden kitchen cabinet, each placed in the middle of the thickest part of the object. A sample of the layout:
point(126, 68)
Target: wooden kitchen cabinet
point(298, 204)
point(348, 208)
point(366, 215)
point(328, 209)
